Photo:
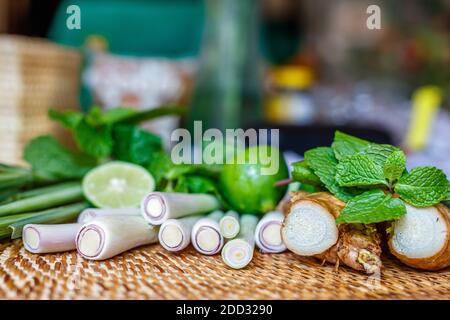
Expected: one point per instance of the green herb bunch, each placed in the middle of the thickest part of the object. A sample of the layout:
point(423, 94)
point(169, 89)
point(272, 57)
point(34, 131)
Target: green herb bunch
point(371, 178)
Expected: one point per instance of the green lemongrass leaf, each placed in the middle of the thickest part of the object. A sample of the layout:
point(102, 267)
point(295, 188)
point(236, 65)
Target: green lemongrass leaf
point(324, 163)
point(359, 171)
point(372, 207)
point(394, 166)
point(18, 195)
point(423, 186)
point(56, 215)
point(304, 174)
point(98, 117)
point(71, 192)
point(5, 222)
point(49, 158)
point(345, 145)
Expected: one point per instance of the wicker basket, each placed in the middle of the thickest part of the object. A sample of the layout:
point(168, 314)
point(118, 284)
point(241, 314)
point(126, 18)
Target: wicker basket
point(35, 75)
point(150, 272)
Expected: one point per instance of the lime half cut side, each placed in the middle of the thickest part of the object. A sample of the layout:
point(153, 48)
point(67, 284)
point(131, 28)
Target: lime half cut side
point(117, 185)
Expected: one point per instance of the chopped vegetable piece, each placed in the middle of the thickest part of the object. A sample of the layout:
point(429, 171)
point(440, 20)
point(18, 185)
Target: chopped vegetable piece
point(175, 234)
point(205, 236)
point(108, 236)
point(46, 238)
point(158, 207)
point(229, 225)
point(238, 253)
point(268, 233)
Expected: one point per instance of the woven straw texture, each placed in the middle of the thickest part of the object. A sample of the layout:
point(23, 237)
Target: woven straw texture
point(35, 75)
point(151, 273)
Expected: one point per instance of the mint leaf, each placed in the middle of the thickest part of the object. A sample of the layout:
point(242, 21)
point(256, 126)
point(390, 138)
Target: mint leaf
point(323, 162)
point(302, 173)
point(97, 142)
point(359, 171)
point(49, 158)
point(379, 152)
point(68, 119)
point(423, 186)
point(345, 145)
point(160, 163)
point(372, 207)
point(394, 166)
point(135, 145)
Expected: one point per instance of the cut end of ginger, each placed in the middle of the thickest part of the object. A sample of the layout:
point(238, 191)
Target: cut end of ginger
point(309, 229)
point(420, 233)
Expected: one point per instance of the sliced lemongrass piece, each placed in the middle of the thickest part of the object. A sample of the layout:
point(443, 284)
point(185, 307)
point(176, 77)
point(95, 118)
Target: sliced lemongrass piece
point(46, 238)
point(175, 234)
point(108, 236)
point(205, 236)
point(309, 228)
point(90, 214)
point(268, 233)
point(158, 207)
point(421, 238)
point(229, 225)
point(238, 253)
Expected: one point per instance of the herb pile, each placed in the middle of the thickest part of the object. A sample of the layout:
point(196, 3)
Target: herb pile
point(371, 178)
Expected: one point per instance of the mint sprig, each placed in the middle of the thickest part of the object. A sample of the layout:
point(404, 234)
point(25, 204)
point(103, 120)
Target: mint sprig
point(371, 178)
point(394, 166)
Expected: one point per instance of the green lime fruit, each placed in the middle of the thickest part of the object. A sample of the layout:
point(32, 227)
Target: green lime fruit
point(250, 187)
point(117, 185)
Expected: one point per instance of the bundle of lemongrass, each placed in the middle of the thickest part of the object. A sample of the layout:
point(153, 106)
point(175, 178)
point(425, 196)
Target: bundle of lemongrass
point(175, 220)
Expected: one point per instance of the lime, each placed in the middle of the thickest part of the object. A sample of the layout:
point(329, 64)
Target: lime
point(117, 185)
point(247, 188)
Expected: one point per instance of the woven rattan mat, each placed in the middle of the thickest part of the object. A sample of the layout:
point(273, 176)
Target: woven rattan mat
point(151, 273)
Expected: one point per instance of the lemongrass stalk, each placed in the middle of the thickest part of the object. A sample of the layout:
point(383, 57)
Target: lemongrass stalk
point(229, 225)
point(63, 214)
point(70, 193)
point(90, 214)
point(175, 234)
point(36, 192)
point(5, 222)
point(158, 207)
point(108, 236)
point(47, 238)
point(268, 233)
point(205, 235)
point(238, 253)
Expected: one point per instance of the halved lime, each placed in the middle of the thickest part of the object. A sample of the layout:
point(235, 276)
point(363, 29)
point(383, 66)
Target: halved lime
point(117, 185)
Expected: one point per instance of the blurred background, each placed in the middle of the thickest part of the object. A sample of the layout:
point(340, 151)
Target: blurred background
point(307, 67)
